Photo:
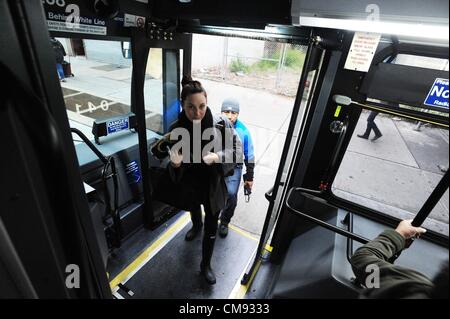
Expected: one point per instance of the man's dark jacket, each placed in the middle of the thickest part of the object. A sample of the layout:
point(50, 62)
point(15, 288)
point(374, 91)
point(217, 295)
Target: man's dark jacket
point(394, 281)
point(58, 48)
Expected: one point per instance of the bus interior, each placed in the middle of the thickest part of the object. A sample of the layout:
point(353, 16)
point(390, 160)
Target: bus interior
point(76, 175)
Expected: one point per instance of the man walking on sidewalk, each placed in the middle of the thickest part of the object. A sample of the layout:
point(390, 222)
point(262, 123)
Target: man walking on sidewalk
point(371, 126)
point(60, 53)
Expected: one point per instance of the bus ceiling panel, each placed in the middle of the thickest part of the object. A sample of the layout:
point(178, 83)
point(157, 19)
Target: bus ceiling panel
point(412, 18)
point(232, 13)
point(94, 19)
point(413, 86)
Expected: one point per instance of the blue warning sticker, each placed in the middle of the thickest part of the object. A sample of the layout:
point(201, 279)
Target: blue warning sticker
point(438, 95)
point(117, 125)
point(133, 172)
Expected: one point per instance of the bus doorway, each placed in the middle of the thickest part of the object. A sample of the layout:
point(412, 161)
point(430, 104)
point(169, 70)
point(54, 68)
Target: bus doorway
point(234, 252)
point(139, 72)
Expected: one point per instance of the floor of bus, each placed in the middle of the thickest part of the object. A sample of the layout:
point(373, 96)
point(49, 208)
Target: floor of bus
point(161, 264)
point(135, 244)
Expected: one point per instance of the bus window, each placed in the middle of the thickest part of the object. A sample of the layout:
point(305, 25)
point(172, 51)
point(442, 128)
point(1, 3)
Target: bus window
point(153, 90)
point(263, 76)
point(422, 62)
point(262, 65)
point(97, 80)
point(161, 88)
point(396, 173)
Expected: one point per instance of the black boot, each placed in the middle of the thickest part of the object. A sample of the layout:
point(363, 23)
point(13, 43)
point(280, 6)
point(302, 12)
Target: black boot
point(197, 225)
point(376, 137)
point(223, 230)
point(366, 133)
point(205, 265)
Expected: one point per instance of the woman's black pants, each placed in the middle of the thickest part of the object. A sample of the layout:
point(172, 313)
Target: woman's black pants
point(210, 230)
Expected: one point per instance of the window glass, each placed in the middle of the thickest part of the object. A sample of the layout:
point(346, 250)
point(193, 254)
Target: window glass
point(153, 91)
point(396, 173)
point(96, 79)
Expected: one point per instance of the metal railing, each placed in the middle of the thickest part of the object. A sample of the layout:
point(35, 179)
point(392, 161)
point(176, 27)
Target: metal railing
point(321, 223)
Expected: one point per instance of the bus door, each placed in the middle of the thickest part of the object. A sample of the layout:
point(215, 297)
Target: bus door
point(128, 66)
point(343, 188)
point(160, 56)
point(319, 68)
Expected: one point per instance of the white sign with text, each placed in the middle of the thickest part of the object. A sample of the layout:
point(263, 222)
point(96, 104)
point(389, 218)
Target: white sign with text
point(362, 50)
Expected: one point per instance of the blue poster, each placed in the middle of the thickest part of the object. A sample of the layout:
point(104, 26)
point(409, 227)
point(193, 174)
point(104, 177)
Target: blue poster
point(438, 95)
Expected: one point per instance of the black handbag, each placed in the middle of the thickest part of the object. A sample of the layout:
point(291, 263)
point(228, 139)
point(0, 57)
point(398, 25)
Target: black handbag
point(180, 195)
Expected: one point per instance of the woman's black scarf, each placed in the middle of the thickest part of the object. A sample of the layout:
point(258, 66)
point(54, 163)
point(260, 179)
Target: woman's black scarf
point(206, 122)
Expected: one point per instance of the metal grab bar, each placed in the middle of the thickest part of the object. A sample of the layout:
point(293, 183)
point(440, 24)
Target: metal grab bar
point(431, 201)
point(319, 222)
point(348, 220)
point(269, 194)
point(307, 191)
point(335, 154)
point(90, 144)
point(107, 162)
point(426, 209)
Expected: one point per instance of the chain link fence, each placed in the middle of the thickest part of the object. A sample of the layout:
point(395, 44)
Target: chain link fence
point(262, 65)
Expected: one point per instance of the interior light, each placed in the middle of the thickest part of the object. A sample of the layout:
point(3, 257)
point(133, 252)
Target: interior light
point(418, 30)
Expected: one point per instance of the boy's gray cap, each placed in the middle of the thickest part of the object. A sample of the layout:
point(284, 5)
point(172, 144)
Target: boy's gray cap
point(230, 105)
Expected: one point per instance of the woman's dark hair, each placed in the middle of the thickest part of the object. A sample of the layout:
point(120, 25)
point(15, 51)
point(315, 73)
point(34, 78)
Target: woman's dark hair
point(190, 87)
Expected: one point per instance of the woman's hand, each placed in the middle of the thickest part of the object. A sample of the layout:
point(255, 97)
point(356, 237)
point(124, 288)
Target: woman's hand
point(176, 158)
point(211, 158)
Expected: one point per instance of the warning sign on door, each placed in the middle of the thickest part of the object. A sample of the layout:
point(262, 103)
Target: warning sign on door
point(362, 50)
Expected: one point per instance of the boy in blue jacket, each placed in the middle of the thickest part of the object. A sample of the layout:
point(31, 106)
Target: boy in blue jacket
point(230, 109)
